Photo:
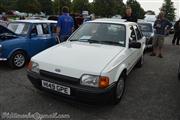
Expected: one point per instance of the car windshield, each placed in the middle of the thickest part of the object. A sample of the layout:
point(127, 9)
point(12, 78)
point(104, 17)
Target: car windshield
point(145, 27)
point(101, 33)
point(19, 28)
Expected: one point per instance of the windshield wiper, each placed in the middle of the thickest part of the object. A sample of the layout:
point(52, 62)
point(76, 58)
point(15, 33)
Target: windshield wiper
point(99, 42)
point(111, 42)
point(86, 40)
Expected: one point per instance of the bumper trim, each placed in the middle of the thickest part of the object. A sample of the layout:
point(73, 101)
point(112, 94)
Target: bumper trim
point(78, 92)
point(3, 59)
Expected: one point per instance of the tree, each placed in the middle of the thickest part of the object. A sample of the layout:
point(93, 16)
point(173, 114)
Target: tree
point(80, 5)
point(169, 10)
point(29, 6)
point(46, 6)
point(10, 4)
point(136, 8)
point(108, 8)
point(2, 8)
point(58, 4)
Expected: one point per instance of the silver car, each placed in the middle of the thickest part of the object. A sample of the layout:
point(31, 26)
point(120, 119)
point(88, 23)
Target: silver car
point(148, 31)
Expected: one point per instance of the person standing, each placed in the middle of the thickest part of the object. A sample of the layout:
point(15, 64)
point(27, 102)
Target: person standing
point(161, 27)
point(65, 25)
point(129, 16)
point(177, 33)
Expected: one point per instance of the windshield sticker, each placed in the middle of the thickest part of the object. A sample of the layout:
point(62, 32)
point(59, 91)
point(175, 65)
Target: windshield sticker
point(19, 28)
point(85, 37)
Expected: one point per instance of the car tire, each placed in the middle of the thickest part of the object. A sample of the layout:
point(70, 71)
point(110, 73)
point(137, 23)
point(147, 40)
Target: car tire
point(17, 60)
point(119, 90)
point(140, 62)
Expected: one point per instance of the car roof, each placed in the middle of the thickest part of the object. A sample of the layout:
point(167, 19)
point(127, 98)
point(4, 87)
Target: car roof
point(36, 21)
point(145, 22)
point(112, 20)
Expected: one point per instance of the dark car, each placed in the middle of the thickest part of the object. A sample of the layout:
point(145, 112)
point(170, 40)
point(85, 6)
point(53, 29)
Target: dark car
point(148, 31)
point(23, 39)
point(172, 28)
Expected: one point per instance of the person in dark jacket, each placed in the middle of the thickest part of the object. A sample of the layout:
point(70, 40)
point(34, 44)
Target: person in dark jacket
point(129, 16)
point(161, 26)
point(177, 33)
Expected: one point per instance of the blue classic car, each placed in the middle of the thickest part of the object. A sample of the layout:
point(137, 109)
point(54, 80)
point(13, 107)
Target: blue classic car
point(23, 39)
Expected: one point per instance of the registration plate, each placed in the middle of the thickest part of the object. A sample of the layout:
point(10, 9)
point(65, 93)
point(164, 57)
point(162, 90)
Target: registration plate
point(56, 87)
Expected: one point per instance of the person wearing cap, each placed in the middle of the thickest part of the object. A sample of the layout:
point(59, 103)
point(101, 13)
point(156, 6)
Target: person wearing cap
point(65, 25)
point(161, 27)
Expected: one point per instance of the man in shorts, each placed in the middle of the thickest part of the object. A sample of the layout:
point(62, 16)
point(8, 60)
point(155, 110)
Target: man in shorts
point(161, 27)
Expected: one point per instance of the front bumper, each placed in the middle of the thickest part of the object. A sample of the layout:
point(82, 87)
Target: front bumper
point(78, 92)
point(3, 59)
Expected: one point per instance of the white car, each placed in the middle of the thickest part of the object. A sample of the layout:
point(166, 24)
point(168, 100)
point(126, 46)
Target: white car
point(93, 64)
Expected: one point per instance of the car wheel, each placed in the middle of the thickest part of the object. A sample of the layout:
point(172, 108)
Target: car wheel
point(140, 62)
point(119, 91)
point(17, 59)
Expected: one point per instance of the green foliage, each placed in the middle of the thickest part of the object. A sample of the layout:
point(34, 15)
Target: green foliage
point(2, 8)
point(46, 6)
point(136, 8)
point(58, 4)
point(108, 8)
point(80, 5)
point(29, 6)
point(168, 8)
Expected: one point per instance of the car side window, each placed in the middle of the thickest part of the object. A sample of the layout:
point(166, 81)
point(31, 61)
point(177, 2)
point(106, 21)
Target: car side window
point(33, 30)
point(39, 29)
point(138, 32)
point(53, 28)
point(45, 28)
point(132, 35)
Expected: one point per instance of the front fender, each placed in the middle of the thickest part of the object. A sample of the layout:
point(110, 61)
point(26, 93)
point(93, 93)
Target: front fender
point(115, 72)
point(14, 50)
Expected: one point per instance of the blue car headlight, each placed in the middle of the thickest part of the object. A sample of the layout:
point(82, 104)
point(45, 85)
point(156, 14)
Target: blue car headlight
point(0, 47)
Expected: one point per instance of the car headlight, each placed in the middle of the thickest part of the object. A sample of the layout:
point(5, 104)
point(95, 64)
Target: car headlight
point(95, 81)
point(33, 66)
point(0, 47)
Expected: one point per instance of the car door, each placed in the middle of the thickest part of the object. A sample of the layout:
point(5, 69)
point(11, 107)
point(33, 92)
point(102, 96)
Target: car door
point(141, 39)
point(37, 39)
point(53, 34)
point(131, 52)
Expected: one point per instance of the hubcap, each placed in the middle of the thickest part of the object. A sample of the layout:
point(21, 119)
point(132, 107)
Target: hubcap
point(19, 60)
point(120, 88)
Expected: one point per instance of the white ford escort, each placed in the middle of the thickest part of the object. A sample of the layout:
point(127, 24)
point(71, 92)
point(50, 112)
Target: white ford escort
point(94, 62)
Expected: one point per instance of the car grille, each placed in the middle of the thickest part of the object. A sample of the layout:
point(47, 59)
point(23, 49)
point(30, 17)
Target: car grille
point(59, 78)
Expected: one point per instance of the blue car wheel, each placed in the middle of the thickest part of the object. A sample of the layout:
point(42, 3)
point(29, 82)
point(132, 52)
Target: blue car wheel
point(17, 60)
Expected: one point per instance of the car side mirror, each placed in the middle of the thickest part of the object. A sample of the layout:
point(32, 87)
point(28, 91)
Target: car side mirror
point(135, 45)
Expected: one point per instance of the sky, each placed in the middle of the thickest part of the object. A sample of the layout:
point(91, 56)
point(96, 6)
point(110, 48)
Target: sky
point(155, 5)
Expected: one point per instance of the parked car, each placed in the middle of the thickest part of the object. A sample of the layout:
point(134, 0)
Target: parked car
point(172, 28)
point(93, 64)
point(148, 31)
point(23, 39)
point(3, 23)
